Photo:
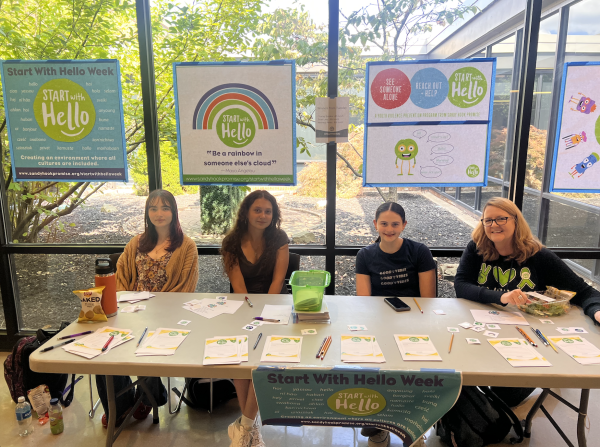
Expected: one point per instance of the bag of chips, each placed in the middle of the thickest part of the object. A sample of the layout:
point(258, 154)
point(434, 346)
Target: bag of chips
point(91, 305)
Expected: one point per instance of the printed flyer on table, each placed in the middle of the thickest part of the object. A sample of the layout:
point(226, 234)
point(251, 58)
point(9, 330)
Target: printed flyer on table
point(65, 120)
point(406, 403)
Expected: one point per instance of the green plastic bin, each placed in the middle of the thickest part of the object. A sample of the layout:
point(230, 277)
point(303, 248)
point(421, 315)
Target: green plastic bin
point(308, 289)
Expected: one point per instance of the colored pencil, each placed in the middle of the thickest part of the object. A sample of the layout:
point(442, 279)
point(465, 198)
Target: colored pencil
point(550, 342)
point(451, 340)
point(326, 348)
point(526, 336)
point(321, 348)
point(417, 303)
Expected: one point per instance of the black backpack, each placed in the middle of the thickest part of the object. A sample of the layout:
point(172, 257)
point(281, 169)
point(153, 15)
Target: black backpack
point(478, 418)
point(198, 393)
point(19, 376)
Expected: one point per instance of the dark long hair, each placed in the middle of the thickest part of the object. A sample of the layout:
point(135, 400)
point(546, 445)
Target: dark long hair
point(390, 206)
point(231, 247)
point(149, 238)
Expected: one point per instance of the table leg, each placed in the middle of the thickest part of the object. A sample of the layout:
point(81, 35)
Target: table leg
point(583, 409)
point(538, 403)
point(112, 411)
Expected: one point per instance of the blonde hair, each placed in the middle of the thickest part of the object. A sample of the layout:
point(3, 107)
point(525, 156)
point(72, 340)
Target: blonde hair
point(525, 244)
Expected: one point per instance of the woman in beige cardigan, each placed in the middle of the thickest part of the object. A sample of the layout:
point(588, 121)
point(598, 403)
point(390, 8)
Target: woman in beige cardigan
point(162, 259)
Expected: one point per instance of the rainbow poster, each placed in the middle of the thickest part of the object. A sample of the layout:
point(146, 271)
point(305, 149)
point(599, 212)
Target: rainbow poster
point(235, 122)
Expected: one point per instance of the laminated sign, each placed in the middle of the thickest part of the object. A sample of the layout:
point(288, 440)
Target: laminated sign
point(428, 123)
point(406, 403)
point(576, 160)
point(65, 120)
point(235, 122)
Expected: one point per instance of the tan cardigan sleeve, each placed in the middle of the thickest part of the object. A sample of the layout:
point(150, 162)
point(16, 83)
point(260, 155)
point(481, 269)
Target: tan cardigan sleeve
point(183, 268)
point(126, 270)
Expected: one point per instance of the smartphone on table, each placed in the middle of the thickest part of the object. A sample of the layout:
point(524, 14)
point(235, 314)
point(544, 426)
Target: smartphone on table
point(397, 304)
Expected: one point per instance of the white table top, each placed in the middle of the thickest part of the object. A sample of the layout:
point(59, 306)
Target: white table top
point(480, 364)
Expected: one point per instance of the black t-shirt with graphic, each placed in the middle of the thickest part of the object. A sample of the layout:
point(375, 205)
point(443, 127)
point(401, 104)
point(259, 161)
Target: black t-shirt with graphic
point(395, 274)
point(486, 282)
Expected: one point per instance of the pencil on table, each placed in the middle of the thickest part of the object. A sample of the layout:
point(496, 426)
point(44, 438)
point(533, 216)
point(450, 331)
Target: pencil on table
point(549, 341)
point(451, 340)
point(417, 303)
point(326, 347)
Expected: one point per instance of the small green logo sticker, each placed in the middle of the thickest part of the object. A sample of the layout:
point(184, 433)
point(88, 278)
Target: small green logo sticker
point(473, 171)
point(236, 128)
point(64, 110)
point(468, 87)
point(285, 340)
point(357, 402)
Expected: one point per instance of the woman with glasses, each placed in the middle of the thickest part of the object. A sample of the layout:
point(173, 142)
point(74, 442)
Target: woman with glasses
point(504, 259)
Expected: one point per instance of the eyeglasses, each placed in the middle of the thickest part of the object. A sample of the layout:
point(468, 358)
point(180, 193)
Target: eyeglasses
point(499, 221)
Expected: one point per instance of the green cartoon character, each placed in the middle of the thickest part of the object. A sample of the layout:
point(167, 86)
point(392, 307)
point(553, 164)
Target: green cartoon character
point(406, 150)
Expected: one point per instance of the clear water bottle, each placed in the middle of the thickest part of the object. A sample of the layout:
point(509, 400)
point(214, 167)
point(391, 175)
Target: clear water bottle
point(57, 425)
point(23, 411)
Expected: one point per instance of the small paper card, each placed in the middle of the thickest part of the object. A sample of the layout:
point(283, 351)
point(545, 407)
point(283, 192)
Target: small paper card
point(490, 334)
point(221, 298)
point(309, 332)
point(571, 330)
point(416, 347)
point(357, 327)
point(184, 322)
point(249, 327)
point(547, 321)
point(465, 325)
point(439, 312)
point(493, 326)
point(477, 323)
point(453, 329)
point(478, 329)
point(473, 341)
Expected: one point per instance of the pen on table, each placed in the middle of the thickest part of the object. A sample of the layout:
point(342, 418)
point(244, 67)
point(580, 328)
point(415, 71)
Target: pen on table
point(326, 347)
point(539, 335)
point(417, 303)
point(74, 335)
point(105, 347)
point(451, 340)
point(142, 337)
point(526, 336)
point(271, 320)
point(257, 340)
point(550, 342)
point(49, 348)
point(249, 302)
point(321, 348)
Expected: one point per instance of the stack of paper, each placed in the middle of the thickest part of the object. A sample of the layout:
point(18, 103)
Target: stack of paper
point(134, 297)
point(91, 346)
point(210, 308)
point(226, 350)
point(579, 348)
point(163, 341)
point(282, 348)
point(518, 352)
point(499, 317)
point(417, 347)
point(321, 316)
point(277, 312)
point(361, 349)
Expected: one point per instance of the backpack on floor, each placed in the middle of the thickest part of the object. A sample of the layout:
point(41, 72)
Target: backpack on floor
point(479, 418)
point(19, 376)
point(198, 393)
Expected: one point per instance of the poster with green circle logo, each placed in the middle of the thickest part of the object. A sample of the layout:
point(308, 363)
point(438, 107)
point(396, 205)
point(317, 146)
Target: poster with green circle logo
point(65, 120)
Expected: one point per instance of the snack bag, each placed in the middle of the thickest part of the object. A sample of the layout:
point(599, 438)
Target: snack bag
point(91, 308)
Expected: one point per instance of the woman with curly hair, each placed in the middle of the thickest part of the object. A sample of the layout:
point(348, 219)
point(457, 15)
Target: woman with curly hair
point(255, 257)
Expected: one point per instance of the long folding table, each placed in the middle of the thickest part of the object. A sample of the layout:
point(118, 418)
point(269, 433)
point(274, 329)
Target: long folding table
point(480, 364)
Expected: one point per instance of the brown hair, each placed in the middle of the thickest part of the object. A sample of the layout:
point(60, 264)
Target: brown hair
point(231, 247)
point(149, 238)
point(525, 244)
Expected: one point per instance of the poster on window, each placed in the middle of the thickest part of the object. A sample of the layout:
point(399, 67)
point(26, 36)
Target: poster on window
point(65, 120)
point(428, 123)
point(236, 122)
point(576, 160)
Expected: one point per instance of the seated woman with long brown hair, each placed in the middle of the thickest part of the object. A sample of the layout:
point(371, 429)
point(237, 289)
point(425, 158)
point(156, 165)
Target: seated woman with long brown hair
point(162, 259)
point(255, 257)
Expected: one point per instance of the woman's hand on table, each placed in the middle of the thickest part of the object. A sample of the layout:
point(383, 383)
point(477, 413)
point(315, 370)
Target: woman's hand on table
point(516, 297)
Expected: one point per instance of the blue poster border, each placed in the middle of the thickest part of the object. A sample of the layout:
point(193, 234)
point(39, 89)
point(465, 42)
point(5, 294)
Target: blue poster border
point(69, 61)
point(279, 62)
point(563, 84)
point(430, 123)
